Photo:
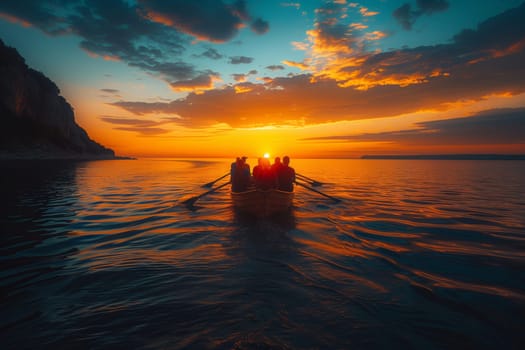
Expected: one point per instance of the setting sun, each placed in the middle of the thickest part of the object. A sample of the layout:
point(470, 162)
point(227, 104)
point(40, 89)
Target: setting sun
point(267, 155)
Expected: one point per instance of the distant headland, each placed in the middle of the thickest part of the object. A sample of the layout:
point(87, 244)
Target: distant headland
point(450, 156)
point(38, 123)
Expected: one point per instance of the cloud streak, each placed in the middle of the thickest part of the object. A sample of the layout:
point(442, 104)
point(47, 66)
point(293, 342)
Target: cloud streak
point(491, 127)
point(141, 126)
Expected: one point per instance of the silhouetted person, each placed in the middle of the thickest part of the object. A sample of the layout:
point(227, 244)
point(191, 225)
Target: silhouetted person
point(240, 176)
point(257, 168)
point(232, 167)
point(286, 176)
point(246, 165)
point(265, 178)
point(277, 165)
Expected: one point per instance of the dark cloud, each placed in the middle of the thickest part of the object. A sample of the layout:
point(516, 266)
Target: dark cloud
point(239, 77)
point(41, 14)
point(140, 126)
point(111, 29)
point(129, 121)
point(492, 127)
point(407, 17)
point(404, 15)
point(431, 6)
point(203, 81)
point(145, 131)
point(138, 33)
point(260, 26)
point(240, 60)
point(275, 67)
point(242, 77)
point(110, 91)
point(212, 20)
point(212, 54)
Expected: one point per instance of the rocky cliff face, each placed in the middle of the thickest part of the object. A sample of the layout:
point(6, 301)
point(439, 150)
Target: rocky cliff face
point(35, 121)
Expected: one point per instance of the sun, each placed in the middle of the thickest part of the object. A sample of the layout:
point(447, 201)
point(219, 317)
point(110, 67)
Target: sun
point(266, 155)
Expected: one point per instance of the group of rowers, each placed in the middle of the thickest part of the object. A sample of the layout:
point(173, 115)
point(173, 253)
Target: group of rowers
point(265, 176)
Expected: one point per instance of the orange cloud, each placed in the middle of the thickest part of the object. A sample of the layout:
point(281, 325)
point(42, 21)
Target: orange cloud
point(364, 11)
point(300, 65)
point(242, 88)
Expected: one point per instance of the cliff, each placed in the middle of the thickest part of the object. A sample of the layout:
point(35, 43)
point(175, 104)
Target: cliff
point(35, 121)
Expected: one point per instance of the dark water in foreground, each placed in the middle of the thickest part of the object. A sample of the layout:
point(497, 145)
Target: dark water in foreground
point(420, 254)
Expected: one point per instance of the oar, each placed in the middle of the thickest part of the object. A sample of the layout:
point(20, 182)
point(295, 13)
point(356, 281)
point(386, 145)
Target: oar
point(311, 181)
point(191, 201)
point(337, 200)
point(209, 184)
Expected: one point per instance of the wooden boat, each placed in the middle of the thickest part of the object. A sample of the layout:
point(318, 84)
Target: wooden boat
point(262, 203)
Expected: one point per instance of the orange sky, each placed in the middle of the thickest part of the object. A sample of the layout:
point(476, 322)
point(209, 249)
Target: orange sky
point(308, 79)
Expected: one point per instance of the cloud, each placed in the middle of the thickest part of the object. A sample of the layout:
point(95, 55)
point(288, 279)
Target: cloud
point(366, 13)
point(407, 17)
point(140, 126)
point(297, 5)
point(150, 35)
point(275, 67)
point(110, 91)
point(476, 64)
point(36, 13)
point(240, 60)
point(491, 127)
point(300, 65)
point(260, 26)
point(241, 78)
point(336, 43)
point(201, 82)
point(210, 20)
point(345, 62)
point(211, 53)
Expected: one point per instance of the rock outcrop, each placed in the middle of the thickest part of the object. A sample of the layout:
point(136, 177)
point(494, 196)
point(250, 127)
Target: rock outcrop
point(35, 121)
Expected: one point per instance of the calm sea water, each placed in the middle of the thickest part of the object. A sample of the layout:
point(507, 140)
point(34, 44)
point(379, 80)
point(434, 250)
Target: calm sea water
point(419, 254)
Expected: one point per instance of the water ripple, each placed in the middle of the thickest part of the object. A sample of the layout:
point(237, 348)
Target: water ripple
point(105, 255)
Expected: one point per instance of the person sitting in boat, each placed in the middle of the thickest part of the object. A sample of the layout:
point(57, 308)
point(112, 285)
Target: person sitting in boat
point(233, 166)
point(240, 176)
point(277, 164)
point(264, 176)
point(286, 176)
point(245, 164)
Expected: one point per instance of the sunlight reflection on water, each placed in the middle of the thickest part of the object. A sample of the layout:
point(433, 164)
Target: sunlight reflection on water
point(104, 254)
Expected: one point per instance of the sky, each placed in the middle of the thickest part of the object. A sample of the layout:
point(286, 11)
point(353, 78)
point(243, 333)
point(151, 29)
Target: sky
point(310, 79)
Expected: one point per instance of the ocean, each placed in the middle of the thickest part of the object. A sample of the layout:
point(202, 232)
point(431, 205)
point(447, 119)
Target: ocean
point(418, 254)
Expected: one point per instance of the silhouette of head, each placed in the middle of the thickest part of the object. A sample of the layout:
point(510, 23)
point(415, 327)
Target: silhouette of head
point(286, 160)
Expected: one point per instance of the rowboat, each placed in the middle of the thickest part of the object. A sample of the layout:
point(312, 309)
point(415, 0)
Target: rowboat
point(262, 203)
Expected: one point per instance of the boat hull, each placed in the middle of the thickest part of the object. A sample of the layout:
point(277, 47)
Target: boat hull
point(262, 203)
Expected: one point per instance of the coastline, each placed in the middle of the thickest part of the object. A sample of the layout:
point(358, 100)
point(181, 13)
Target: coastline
point(40, 156)
point(448, 157)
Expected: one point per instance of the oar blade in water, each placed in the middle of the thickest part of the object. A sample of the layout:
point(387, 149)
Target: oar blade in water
point(190, 202)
